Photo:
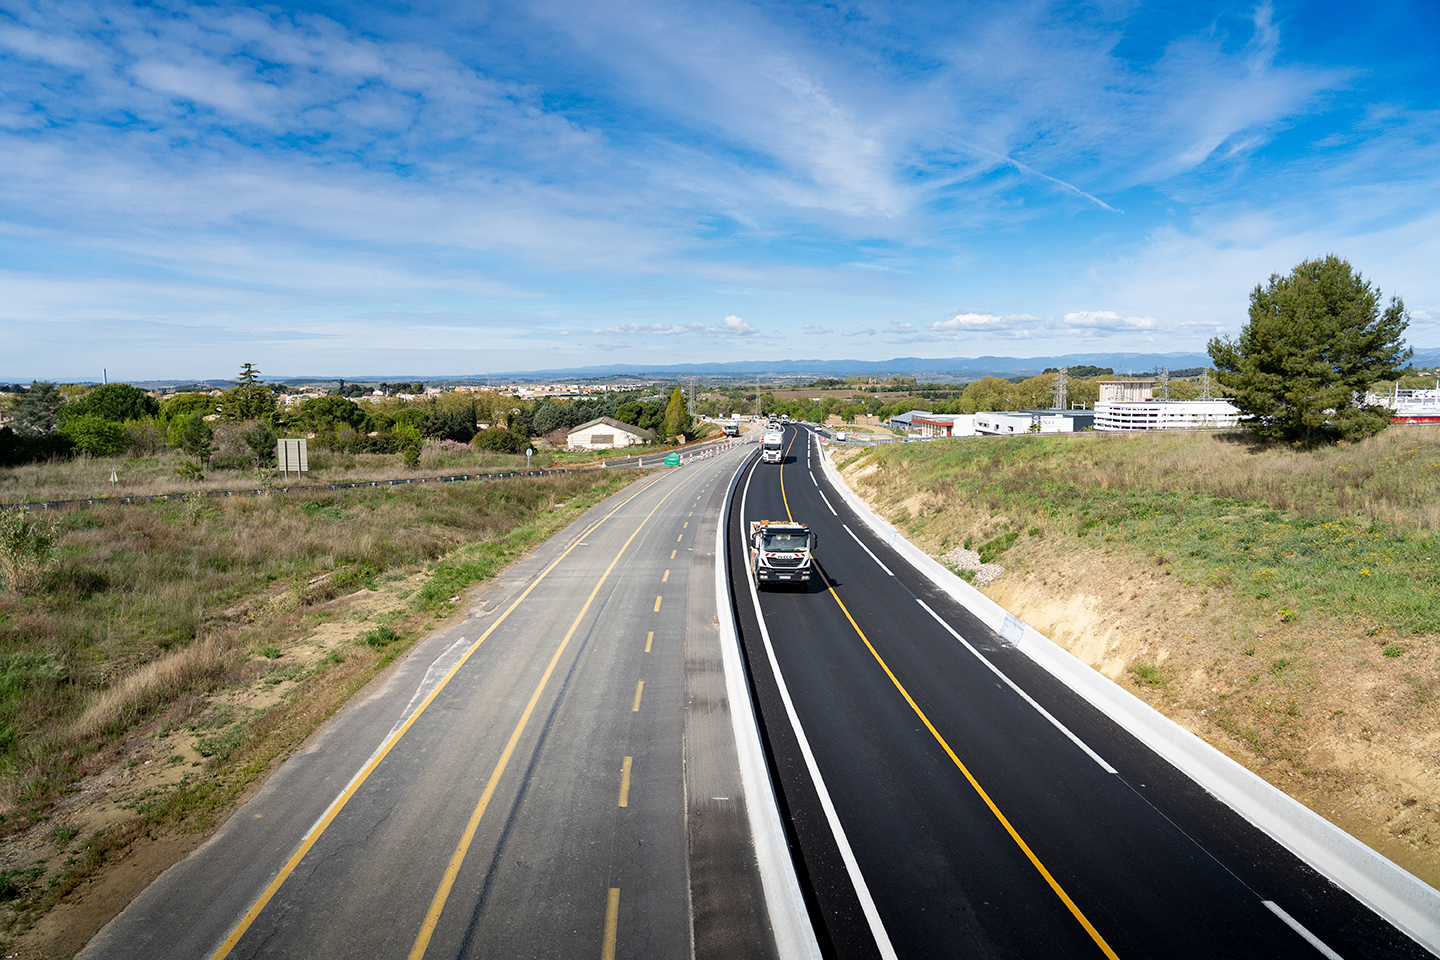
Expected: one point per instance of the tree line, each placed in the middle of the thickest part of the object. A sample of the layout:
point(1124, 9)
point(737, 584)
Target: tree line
point(118, 418)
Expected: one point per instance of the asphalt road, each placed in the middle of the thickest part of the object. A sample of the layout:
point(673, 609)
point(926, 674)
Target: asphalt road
point(949, 798)
point(532, 783)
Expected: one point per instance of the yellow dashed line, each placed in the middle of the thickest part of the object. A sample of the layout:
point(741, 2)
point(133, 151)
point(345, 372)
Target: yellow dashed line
point(625, 783)
point(639, 689)
point(612, 924)
point(657, 604)
point(649, 639)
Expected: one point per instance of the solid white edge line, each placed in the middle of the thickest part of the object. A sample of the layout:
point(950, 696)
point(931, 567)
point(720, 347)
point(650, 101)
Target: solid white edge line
point(866, 549)
point(1022, 694)
point(852, 866)
point(826, 499)
point(784, 901)
point(1294, 924)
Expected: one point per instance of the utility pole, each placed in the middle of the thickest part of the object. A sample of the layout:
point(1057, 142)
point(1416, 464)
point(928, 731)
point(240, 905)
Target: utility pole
point(1062, 382)
point(1205, 385)
point(1164, 383)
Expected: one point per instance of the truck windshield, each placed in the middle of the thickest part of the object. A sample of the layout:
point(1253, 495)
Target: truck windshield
point(773, 444)
point(786, 542)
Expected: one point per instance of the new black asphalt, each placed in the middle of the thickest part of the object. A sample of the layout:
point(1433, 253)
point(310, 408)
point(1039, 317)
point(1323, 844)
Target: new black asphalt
point(1151, 864)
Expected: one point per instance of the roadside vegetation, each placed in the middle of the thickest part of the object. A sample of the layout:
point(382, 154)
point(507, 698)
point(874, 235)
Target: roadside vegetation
point(1283, 603)
point(125, 630)
point(75, 442)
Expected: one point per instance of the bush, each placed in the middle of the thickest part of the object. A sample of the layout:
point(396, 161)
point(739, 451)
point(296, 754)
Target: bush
point(116, 402)
point(261, 438)
point(383, 443)
point(145, 438)
point(501, 440)
point(95, 435)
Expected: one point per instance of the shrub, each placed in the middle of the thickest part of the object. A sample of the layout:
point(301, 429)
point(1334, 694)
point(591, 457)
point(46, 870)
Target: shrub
point(27, 550)
point(95, 435)
point(501, 440)
point(380, 637)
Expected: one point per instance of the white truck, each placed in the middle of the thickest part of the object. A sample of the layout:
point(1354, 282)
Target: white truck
point(781, 551)
point(772, 448)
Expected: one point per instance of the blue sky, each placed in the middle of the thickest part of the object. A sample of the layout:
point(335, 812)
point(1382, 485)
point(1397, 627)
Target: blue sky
point(447, 189)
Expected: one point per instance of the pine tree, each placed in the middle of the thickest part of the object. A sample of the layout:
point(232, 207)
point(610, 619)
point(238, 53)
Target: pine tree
point(1315, 342)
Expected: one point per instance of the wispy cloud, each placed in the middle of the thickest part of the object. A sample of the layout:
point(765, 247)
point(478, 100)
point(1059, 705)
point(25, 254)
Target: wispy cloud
point(559, 165)
point(731, 326)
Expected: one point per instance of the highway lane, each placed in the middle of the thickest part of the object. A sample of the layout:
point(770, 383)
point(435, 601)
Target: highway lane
point(533, 806)
point(973, 823)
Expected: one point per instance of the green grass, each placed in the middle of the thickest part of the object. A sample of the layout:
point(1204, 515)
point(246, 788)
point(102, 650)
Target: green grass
point(1349, 531)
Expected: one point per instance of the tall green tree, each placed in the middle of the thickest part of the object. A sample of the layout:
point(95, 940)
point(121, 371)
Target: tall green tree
point(38, 409)
point(251, 399)
point(1315, 342)
point(677, 415)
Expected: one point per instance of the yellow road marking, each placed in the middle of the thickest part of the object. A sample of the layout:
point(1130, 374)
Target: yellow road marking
point(625, 783)
point(1030, 854)
point(639, 688)
point(685, 524)
point(437, 904)
point(672, 553)
point(657, 604)
point(679, 538)
point(612, 923)
point(784, 499)
point(649, 638)
point(316, 831)
point(666, 577)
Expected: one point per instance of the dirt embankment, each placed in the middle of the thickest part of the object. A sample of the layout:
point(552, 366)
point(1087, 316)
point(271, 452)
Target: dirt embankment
point(1318, 708)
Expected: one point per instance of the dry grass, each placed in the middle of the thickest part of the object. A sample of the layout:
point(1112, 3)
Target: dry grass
point(152, 603)
point(174, 675)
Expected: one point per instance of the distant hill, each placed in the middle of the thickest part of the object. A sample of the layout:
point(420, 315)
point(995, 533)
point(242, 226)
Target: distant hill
point(966, 368)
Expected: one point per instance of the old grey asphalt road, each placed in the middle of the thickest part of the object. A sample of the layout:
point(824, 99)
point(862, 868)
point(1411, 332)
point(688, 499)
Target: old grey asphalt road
point(518, 786)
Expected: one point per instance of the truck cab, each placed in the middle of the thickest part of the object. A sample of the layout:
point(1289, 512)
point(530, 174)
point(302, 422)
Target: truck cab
point(781, 551)
point(772, 448)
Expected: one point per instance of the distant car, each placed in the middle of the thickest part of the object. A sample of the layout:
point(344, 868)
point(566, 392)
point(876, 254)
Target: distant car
point(840, 435)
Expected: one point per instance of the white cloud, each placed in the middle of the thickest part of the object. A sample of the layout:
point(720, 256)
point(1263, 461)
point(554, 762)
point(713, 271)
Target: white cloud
point(1018, 324)
point(736, 327)
point(863, 332)
point(816, 330)
point(1107, 321)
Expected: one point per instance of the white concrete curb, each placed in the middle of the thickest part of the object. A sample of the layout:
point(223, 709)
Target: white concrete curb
point(1404, 900)
point(789, 918)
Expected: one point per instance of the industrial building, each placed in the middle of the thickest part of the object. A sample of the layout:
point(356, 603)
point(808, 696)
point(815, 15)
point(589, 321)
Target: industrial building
point(1010, 423)
point(1131, 405)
